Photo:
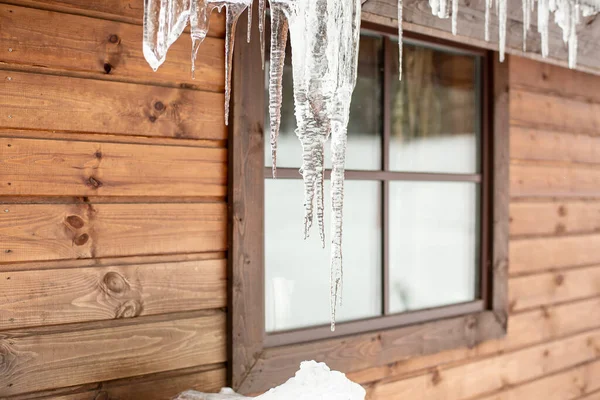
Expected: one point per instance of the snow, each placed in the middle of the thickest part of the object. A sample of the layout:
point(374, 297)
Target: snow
point(324, 37)
point(314, 381)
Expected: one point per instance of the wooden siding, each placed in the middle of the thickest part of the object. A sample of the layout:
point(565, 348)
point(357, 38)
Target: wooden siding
point(113, 220)
point(552, 350)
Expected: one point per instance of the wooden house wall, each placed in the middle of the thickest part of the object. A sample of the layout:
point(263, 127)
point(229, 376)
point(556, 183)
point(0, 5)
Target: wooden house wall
point(113, 221)
point(552, 350)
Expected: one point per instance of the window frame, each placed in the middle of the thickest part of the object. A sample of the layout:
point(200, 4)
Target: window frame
point(259, 361)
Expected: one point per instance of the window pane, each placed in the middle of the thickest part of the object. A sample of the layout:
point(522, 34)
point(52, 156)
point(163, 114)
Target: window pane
point(435, 112)
point(297, 271)
point(434, 245)
point(364, 128)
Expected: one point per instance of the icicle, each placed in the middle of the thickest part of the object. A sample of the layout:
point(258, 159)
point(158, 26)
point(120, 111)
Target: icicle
point(454, 17)
point(279, 34)
point(199, 23)
point(400, 39)
point(233, 11)
point(488, 6)
point(164, 22)
point(526, 20)
point(543, 14)
point(249, 31)
point(261, 28)
point(502, 27)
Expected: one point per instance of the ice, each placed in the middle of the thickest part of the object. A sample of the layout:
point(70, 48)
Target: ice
point(324, 36)
point(164, 22)
point(501, 5)
point(454, 17)
point(488, 6)
point(313, 381)
point(400, 35)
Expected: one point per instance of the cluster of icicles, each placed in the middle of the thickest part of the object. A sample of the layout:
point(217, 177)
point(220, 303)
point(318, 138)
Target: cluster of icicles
point(324, 37)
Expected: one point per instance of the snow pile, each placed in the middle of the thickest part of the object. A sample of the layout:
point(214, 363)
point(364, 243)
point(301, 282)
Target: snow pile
point(314, 381)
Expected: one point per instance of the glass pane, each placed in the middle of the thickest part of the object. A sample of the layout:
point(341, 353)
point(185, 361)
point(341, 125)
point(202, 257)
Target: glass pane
point(297, 271)
point(435, 112)
point(364, 128)
point(434, 244)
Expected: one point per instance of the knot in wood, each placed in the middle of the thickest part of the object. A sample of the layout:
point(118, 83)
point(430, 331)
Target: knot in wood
point(129, 309)
point(75, 221)
point(107, 68)
point(8, 358)
point(95, 183)
point(159, 106)
point(115, 283)
point(81, 239)
point(114, 39)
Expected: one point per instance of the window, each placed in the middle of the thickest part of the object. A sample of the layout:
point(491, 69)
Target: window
point(425, 216)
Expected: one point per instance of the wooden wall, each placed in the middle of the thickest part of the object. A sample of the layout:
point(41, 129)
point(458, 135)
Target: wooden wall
point(552, 350)
point(113, 216)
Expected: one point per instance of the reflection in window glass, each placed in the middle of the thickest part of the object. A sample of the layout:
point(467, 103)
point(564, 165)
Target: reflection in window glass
point(297, 271)
point(364, 128)
point(434, 244)
point(435, 112)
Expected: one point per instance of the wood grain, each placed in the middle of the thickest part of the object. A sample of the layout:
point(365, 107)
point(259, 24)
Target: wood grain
point(165, 386)
point(553, 287)
point(532, 179)
point(49, 297)
point(79, 168)
point(495, 373)
point(46, 102)
point(544, 145)
point(35, 363)
point(246, 199)
point(554, 217)
point(68, 231)
point(551, 79)
point(131, 11)
point(66, 43)
point(539, 254)
point(568, 385)
point(524, 329)
point(558, 113)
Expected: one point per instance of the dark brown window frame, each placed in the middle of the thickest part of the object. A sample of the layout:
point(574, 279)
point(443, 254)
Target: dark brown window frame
point(258, 363)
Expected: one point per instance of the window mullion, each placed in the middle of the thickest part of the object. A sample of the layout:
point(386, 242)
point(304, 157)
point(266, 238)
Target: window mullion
point(387, 81)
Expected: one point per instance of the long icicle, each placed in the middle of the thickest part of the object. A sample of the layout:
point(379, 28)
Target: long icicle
point(400, 38)
point(488, 6)
point(279, 34)
point(502, 27)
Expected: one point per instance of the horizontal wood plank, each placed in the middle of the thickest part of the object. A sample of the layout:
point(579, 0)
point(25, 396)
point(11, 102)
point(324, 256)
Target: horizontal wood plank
point(558, 113)
point(494, 373)
point(160, 388)
point(30, 232)
point(47, 102)
point(539, 254)
point(35, 363)
point(76, 168)
point(49, 297)
point(67, 43)
point(545, 145)
point(554, 217)
point(524, 329)
point(120, 10)
point(551, 79)
point(528, 179)
point(567, 385)
point(553, 287)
